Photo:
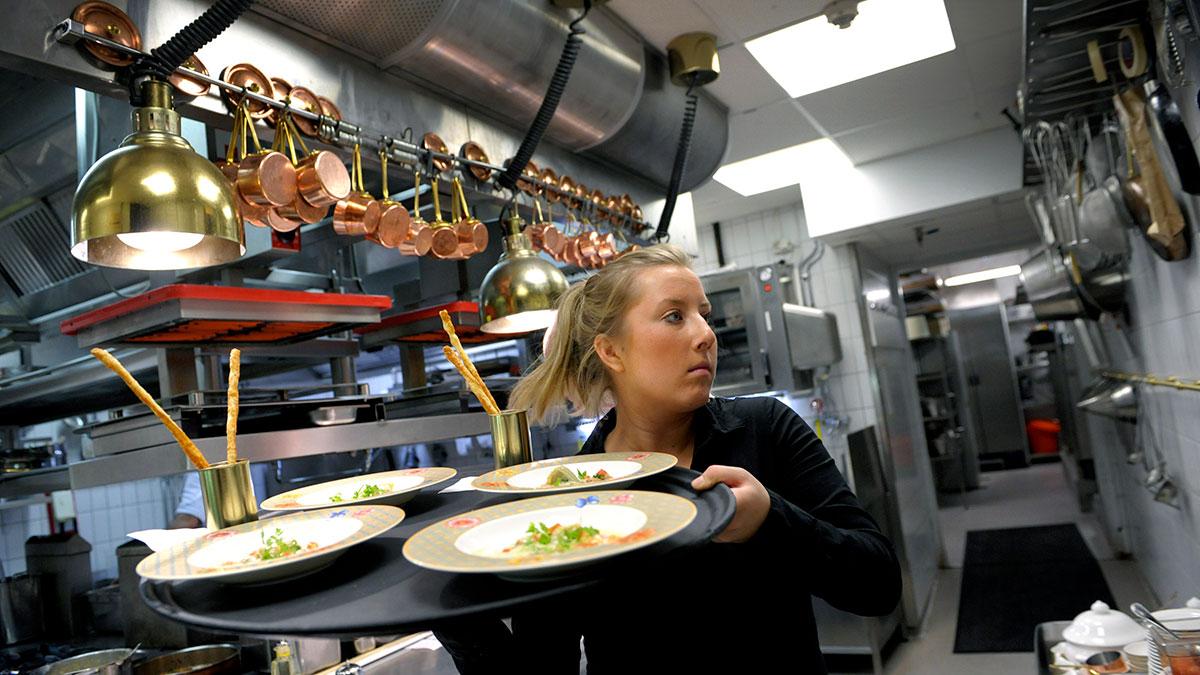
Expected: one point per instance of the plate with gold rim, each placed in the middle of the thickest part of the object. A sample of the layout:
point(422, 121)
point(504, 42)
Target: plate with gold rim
point(393, 488)
point(601, 471)
point(275, 548)
point(549, 537)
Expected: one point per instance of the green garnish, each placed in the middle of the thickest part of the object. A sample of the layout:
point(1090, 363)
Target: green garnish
point(337, 498)
point(275, 546)
point(365, 492)
point(541, 539)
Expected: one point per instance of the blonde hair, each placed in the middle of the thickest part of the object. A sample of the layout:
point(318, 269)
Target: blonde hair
point(570, 370)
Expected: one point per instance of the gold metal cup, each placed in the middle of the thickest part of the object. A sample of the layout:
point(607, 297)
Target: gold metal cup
point(510, 437)
point(228, 494)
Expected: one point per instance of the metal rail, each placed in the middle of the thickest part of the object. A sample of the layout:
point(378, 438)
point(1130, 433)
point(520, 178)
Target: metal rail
point(339, 132)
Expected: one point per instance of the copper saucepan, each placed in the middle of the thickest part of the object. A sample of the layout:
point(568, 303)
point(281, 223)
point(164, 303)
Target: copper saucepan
point(474, 152)
point(472, 233)
point(394, 221)
point(246, 76)
point(550, 178)
point(420, 236)
point(356, 214)
point(434, 143)
point(188, 86)
point(445, 239)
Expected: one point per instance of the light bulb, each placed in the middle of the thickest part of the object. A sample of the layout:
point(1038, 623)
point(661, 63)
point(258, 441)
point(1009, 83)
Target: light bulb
point(160, 242)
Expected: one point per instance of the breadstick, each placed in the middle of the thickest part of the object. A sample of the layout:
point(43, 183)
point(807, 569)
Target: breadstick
point(476, 387)
point(235, 375)
point(189, 448)
point(449, 328)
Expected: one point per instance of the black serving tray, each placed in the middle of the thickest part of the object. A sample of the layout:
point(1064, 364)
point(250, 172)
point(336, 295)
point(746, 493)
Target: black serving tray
point(373, 589)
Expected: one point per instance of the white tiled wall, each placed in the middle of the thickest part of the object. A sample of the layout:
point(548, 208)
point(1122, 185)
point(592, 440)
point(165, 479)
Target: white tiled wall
point(104, 516)
point(762, 238)
point(1161, 339)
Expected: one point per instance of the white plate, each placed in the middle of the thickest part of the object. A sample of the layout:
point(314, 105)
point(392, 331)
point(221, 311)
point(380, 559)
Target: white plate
point(402, 486)
point(530, 478)
point(226, 555)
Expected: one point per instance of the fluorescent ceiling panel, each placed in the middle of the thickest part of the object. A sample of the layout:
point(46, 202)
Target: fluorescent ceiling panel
point(983, 275)
point(781, 168)
point(814, 55)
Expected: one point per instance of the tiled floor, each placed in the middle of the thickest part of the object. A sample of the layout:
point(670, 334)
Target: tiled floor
point(1037, 495)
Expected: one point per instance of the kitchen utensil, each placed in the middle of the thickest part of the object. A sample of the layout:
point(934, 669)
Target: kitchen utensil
point(356, 214)
point(566, 187)
point(1168, 126)
point(550, 178)
point(394, 221)
point(281, 88)
point(397, 488)
point(299, 210)
point(219, 659)
point(267, 177)
point(1167, 221)
point(231, 555)
point(510, 439)
point(20, 608)
point(432, 143)
point(445, 240)
point(530, 478)
point(303, 98)
point(420, 235)
point(1139, 610)
point(228, 494)
point(523, 184)
point(247, 77)
point(1100, 629)
point(107, 21)
point(251, 212)
point(106, 662)
point(474, 152)
point(187, 86)
point(329, 108)
point(472, 233)
point(476, 541)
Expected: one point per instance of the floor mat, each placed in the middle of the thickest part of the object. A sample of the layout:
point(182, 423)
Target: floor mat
point(1014, 579)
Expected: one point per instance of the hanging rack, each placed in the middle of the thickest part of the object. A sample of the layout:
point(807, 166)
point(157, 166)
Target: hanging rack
point(332, 131)
point(1171, 381)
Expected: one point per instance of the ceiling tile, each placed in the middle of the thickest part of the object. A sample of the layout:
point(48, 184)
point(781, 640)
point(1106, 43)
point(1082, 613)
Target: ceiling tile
point(748, 19)
point(779, 125)
point(973, 20)
point(892, 137)
point(895, 93)
point(994, 62)
point(743, 84)
point(660, 21)
point(713, 202)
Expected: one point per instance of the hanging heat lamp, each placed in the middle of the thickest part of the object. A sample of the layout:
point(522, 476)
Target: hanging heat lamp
point(153, 203)
point(520, 293)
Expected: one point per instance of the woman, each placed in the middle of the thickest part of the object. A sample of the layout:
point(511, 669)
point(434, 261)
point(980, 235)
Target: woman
point(638, 332)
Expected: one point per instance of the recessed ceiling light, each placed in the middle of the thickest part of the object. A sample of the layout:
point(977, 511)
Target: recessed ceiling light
point(983, 275)
point(813, 55)
point(781, 168)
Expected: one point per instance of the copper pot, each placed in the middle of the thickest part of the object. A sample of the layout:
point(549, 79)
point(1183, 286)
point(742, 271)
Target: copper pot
point(322, 179)
point(303, 211)
point(553, 241)
point(445, 242)
point(394, 223)
point(534, 232)
point(281, 223)
point(473, 234)
point(613, 207)
point(267, 178)
point(581, 195)
point(566, 187)
point(251, 212)
point(303, 98)
point(105, 20)
point(356, 215)
point(550, 178)
point(188, 86)
point(570, 252)
point(246, 76)
point(420, 238)
point(329, 109)
point(434, 143)
point(474, 152)
point(636, 214)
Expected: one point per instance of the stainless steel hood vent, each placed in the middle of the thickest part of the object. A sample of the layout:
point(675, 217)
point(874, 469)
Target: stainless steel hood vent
point(36, 251)
point(497, 56)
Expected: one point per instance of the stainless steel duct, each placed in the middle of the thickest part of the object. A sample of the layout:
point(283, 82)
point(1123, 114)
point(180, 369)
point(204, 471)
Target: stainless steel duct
point(497, 56)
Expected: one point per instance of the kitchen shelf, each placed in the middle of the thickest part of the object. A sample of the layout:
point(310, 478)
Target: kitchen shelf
point(35, 482)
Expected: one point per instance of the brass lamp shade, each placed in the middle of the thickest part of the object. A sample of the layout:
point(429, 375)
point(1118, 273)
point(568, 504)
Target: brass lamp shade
point(519, 294)
point(153, 203)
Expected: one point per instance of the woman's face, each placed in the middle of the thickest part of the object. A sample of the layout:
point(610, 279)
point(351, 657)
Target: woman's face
point(665, 354)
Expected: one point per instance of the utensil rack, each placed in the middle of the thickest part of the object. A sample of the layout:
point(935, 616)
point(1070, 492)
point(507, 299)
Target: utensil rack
point(339, 132)
point(1153, 380)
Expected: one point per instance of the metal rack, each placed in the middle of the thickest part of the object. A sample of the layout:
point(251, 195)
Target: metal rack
point(1171, 381)
point(339, 132)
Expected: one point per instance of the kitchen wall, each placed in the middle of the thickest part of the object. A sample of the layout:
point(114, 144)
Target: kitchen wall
point(780, 234)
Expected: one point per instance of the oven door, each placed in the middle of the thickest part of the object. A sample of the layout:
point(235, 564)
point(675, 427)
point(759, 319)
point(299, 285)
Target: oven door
point(737, 320)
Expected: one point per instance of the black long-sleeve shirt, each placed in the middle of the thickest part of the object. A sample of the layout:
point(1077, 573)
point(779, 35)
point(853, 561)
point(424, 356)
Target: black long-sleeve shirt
point(733, 606)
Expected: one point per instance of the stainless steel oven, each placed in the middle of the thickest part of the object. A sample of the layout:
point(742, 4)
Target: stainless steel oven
point(763, 342)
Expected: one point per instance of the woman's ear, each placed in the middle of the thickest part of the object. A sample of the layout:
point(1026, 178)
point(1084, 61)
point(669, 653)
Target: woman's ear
point(609, 353)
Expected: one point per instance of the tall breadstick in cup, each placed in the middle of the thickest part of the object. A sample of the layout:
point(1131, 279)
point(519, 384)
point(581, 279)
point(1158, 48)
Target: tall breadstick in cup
point(466, 360)
point(189, 448)
point(231, 417)
point(477, 387)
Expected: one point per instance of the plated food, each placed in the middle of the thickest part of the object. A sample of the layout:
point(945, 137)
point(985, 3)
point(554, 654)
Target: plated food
point(548, 537)
point(389, 487)
point(610, 470)
point(272, 549)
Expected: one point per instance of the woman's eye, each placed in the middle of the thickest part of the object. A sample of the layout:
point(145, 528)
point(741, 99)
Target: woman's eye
point(673, 316)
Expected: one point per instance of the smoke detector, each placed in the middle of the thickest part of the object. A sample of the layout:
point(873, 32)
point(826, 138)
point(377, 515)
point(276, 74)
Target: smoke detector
point(841, 12)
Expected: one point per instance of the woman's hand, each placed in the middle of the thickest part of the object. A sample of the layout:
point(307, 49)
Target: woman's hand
point(753, 501)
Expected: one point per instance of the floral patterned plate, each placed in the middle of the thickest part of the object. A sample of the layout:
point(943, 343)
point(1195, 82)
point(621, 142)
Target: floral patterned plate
point(271, 549)
point(549, 537)
point(388, 487)
point(622, 468)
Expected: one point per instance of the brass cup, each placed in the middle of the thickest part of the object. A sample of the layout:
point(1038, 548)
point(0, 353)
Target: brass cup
point(510, 437)
point(228, 494)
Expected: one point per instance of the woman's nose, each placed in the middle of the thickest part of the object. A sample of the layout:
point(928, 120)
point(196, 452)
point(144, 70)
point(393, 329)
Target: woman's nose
point(704, 341)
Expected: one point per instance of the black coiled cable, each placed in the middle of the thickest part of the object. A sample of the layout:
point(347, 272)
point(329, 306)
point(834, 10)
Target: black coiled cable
point(554, 92)
point(162, 61)
point(681, 158)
